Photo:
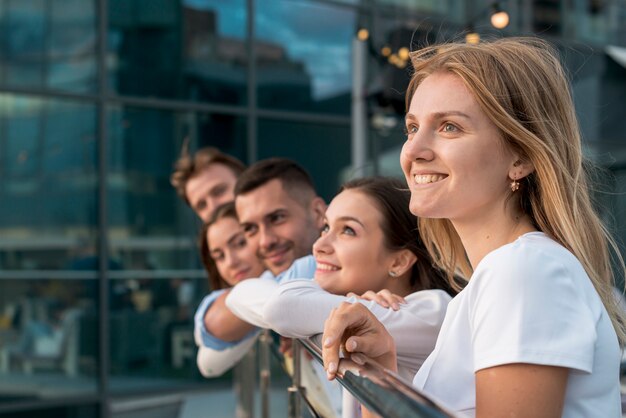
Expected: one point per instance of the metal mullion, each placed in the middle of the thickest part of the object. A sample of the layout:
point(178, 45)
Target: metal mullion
point(303, 117)
point(103, 244)
point(252, 148)
point(62, 401)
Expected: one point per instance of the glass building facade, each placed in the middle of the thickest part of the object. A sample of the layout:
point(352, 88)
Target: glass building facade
point(99, 272)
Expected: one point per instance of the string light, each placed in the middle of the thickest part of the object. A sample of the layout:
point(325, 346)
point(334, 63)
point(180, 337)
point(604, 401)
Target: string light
point(472, 38)
point(363, 35)
point(499, 18)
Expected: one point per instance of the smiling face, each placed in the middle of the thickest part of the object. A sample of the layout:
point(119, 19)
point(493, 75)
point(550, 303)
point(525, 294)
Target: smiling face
point(350, 253)
point(454, 159)
point(234, 257)
point(210, 188)
point(282, 227)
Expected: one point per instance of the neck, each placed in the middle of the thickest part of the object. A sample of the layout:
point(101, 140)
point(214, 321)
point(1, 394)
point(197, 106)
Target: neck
point(400, 286)
point(480, 238)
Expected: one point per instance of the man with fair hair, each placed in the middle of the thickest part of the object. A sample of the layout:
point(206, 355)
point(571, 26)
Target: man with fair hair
point(206, 179)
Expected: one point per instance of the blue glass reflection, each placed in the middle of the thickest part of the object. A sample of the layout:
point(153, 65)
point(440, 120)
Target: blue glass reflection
point(189, 49)
point(48, 172)
point(48, 44)
point(304, 55)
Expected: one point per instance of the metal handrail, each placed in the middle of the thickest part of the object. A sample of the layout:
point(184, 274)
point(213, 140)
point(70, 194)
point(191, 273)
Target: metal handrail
point(379, 389)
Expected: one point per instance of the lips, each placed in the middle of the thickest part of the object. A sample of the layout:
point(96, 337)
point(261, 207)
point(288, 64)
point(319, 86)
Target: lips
point(241, 274)
point(276, 254)
point(326, 267)
point(428, 178)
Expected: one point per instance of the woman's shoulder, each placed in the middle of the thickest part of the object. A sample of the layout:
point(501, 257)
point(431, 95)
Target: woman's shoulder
point(529, 255)
point(435, 299)
point(532, 264)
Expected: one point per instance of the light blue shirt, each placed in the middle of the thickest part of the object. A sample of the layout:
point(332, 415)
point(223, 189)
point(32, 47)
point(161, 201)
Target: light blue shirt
point(302, 268)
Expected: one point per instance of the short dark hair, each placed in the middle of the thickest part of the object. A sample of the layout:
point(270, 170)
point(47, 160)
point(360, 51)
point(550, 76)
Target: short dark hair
point(294, 179)
point(216, 281)
point(400, 229)
point(188, 166)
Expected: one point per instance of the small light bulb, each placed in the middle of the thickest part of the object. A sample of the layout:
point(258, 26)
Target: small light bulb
point(363, 34)
point(386, 51)
point(500, 19)
point(472, 38)
point(403, 53)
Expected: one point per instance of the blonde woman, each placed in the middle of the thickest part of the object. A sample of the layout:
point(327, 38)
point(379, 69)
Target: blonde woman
point(494, 164)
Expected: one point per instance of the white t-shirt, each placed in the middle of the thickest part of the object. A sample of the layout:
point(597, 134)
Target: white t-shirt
point(530, 301)
point(298, 309)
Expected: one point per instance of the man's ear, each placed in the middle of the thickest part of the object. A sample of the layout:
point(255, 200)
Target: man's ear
point(318, 210)
point(402, 261)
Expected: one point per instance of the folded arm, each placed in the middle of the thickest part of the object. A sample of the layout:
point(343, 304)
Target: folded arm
point(223, 324)
point(247, 300)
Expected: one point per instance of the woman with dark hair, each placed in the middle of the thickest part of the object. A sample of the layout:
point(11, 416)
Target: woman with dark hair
point(369, 246)
point(222, 338)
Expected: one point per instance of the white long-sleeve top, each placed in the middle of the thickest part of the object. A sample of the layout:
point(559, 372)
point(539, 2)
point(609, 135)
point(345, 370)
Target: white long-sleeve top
point(298, 308)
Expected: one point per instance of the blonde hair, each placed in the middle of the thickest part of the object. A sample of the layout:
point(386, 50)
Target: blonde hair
point(521, 86)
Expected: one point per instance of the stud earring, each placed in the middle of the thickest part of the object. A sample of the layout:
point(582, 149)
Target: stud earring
point(393, 273)
point(514, 185)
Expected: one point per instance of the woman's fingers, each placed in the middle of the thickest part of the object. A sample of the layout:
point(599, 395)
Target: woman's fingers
point(355, 328)
point(373, 296)
point(332, 339)
point(391, 299)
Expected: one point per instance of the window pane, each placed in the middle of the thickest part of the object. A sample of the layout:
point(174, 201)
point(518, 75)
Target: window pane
point(151, 323)
point(150, 226)
point(304, 56)
point(48, 44)
point(324, 150)
point(48, 338)
point(157, 280)
point(47, 183)
point(194, 49)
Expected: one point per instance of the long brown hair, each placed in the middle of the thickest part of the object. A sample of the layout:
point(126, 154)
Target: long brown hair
point(521, 86)
point(400, 229)
point(216, 281)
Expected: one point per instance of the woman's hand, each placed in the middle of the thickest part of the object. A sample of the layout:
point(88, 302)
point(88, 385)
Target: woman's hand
point(384, 298)
point(353, 328)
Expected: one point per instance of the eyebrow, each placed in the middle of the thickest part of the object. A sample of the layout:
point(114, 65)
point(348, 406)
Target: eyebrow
point(274, 212)
point(440, 115)
point(350, 218)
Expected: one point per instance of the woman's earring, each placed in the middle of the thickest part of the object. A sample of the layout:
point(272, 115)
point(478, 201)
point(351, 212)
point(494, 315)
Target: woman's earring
point(393, 273)
point(514, 185)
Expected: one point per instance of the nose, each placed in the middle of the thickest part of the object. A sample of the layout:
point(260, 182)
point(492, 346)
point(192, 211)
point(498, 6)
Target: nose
point(418, 147)
point(267, 238)
point(232, 259)
point(323, 245)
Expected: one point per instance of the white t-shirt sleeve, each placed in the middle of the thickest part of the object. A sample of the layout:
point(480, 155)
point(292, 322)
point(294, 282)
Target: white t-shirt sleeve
point(213, 363)
point(299, 307)
point(526, 307)
point(247, 299)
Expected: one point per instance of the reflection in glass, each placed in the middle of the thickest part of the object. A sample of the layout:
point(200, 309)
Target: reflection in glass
point(48, 44)
point(324, 150)
point(151, 323)
point(189, 49)
point(48, 338)
point(149, 224)
point(48, 188)
point(304, 56)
